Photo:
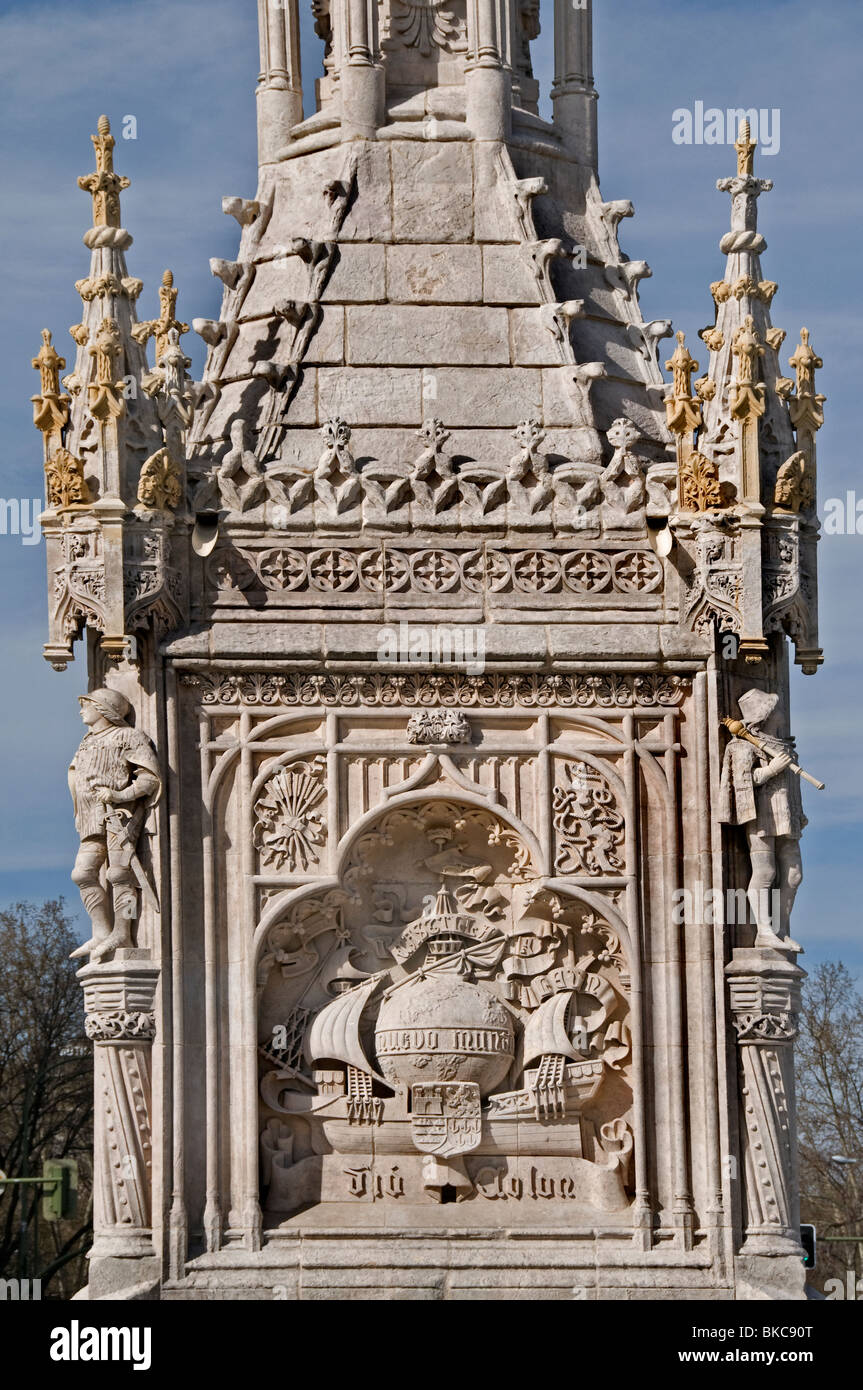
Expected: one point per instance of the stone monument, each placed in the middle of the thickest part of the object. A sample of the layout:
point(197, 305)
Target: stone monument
point(410, 826)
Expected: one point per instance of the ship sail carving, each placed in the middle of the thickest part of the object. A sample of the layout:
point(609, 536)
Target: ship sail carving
point(335, 1033)
point(545, 1032)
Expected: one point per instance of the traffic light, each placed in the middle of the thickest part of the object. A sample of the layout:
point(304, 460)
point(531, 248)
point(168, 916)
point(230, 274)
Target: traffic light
point(807, 1240)
point(60, 1197)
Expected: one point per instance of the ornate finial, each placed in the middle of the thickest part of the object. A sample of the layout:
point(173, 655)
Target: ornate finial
point(682, 364)
point(747, 394)
point(805, 363)
point(745, 147)
point(49, 364)
point(160, 328)
point(744, 239)
point(173, 363)
point(50, 407)
point(806, 411)
point(104, 186)
point(748, 349)
point(682, 408)
point(106, 393)
point(103, 143)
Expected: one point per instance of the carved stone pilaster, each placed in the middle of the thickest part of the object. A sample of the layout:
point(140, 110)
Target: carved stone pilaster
point(121, 1022)
point(764, 996)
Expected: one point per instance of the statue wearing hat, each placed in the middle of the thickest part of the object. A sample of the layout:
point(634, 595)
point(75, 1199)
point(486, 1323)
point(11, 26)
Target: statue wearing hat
point(114, 780)
point(759, 791)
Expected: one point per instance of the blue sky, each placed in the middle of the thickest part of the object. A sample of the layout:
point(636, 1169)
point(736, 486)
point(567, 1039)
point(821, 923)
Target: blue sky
point(187, 73)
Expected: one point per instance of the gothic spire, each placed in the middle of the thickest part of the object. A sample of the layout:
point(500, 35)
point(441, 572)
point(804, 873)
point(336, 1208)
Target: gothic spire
point(746, 443)
point(100, 437)
point(110, 360)
point(743, 399)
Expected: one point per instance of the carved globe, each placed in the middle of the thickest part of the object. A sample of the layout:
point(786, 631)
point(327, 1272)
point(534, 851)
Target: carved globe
point(444, 1028)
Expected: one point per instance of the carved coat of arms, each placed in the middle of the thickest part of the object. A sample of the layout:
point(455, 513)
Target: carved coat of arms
point(446, 1117)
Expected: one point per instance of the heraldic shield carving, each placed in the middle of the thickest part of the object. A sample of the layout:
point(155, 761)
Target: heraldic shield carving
point(446, 1118)
point(443, 1026)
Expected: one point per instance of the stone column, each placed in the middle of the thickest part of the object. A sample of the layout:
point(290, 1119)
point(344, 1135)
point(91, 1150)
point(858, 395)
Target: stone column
point(280, 87)
point(121, 1022)
point(488, 73)
point(573, 94)
point(764, 995)
point(361, 74)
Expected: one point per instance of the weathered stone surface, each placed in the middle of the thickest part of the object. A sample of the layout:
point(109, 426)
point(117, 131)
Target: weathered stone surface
point(594, 342)
point(369, 396)
point(304, 641)
point(495, 208)
point(535, 342)
point(434, 274)
point(327, 342)
point(370, 215)
point(300, 208)
point(583, 641)
point(564, 403)
point(507, 276)
point(480, 396)
point(613, 398)
point(432, 192)
point(284, 278)
point(422, 335)
point(304, 401)
point(358, 274)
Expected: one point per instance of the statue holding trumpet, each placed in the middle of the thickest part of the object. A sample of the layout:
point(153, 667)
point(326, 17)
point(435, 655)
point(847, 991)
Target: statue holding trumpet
point(760, 790)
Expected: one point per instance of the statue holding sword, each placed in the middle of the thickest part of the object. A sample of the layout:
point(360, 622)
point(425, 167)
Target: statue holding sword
point(114, 779)
point(760, 791)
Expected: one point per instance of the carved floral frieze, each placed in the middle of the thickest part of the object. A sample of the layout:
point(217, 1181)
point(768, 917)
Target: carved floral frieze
point(338, 570)
point(120, 1026)
point(487, 691)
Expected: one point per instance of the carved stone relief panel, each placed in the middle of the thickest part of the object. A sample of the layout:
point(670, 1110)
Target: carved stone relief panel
point(443, 1027)
point(430, 880)
point(588, 823)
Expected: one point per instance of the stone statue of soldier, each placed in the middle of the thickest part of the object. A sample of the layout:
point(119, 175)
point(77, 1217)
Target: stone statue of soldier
point(759, 791)
point(114, 780)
